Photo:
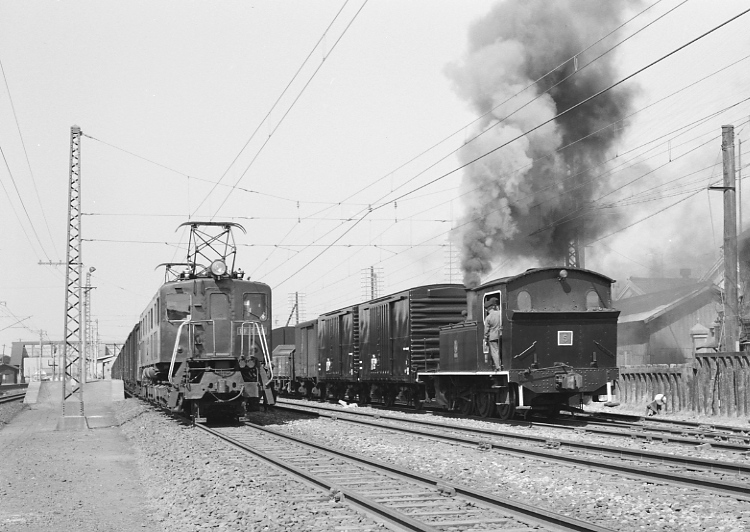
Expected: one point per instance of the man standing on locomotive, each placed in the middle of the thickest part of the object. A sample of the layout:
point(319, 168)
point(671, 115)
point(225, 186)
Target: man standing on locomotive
point(493, 330)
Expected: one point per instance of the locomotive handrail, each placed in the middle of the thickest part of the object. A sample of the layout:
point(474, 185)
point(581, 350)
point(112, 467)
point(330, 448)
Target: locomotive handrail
point(176, 346)
point(213, 331)
point(604, 349)
point(522, 353)
point(264, 347)
point(263, 344)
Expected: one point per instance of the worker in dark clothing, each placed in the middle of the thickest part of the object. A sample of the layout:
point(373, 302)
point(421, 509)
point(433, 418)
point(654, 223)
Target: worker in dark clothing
point(493, 331)
point(655, 406)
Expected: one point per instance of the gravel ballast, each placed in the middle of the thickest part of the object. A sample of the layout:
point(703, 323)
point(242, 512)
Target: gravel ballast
point(614, 501)
point(187, 481)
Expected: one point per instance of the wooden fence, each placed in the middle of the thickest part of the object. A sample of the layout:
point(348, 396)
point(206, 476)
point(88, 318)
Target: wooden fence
point(714, 384)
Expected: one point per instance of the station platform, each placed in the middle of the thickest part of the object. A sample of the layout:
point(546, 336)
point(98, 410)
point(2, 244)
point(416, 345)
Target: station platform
point(70, 473)
point(98, 400)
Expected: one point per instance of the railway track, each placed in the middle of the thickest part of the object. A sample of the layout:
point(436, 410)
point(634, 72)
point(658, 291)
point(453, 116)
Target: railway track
point(683, 428)
point(9, 398)
point(725, 437)
point(403, 499)
point(717, 477)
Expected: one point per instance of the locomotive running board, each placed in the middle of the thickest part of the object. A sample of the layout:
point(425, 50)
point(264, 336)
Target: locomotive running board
point(458, 373)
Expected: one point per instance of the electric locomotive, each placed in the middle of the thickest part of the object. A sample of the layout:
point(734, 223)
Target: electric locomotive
point(201, 345)
point(558, 347)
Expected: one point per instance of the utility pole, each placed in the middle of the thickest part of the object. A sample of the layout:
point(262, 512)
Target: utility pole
point(731, 314)
point(72, 366)
point(372, 282)
point(295, 310)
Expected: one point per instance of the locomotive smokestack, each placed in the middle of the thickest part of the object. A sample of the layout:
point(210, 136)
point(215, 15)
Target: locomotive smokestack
point(528, 199)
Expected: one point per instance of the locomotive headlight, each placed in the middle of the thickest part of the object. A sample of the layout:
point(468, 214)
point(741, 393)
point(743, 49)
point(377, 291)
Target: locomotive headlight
point(218, 268)
point(562, 275)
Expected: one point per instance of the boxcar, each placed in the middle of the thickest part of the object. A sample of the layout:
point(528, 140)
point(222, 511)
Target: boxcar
point(376, 349)
point(306, 365)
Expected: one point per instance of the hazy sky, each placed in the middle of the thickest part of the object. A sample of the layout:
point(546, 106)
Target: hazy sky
point(168, 94)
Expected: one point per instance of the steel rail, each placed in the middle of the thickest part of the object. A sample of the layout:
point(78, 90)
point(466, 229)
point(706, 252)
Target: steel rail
point(12, 397)
point(639, 431)
point(527, 513)
point(733, 489)
point(656, 420)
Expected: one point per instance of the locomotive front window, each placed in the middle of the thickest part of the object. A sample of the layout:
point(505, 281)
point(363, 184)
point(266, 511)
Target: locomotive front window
point(178, 306)
point(523, 301)
point(254, 306)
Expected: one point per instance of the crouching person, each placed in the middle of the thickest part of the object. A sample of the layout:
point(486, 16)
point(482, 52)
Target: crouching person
point(655, 406)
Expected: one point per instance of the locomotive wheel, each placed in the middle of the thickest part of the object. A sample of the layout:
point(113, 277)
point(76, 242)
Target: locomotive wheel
point(506, 407)
point(486, 404)
point(466, 405)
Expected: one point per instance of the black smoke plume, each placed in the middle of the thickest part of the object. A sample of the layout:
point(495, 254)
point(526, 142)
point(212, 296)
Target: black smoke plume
point(525, 201)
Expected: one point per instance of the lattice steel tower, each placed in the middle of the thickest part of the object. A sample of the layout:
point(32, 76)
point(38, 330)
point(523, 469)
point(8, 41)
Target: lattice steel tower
point(72, 382)
point(575, 255)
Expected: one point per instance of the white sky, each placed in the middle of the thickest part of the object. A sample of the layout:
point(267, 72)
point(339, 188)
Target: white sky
point(181, 86)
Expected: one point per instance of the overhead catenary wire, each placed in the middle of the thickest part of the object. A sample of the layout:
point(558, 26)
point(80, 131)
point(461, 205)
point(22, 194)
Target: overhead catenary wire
point(502, 264)
point(28, 162)
point(378, 205)
point(23, 205)
point(275, 104)
point(527, 132)
point(289, 109)
point(682, 129)
point(502, 103)
point(469, 221)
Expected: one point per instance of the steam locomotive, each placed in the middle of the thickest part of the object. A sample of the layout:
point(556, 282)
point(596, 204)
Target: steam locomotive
point(201, 345)
point(558, 347)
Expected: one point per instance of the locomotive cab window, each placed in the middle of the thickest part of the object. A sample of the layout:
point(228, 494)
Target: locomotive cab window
point(490, 299)
point(254, 306)
point(178, 306)
point(592, 300)
point(523, 300)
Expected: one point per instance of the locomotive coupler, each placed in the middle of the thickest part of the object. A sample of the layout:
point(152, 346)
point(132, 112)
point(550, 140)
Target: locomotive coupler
point(568, 381)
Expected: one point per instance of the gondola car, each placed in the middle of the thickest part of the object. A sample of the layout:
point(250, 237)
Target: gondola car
point(201, 345)
point(558, 348)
